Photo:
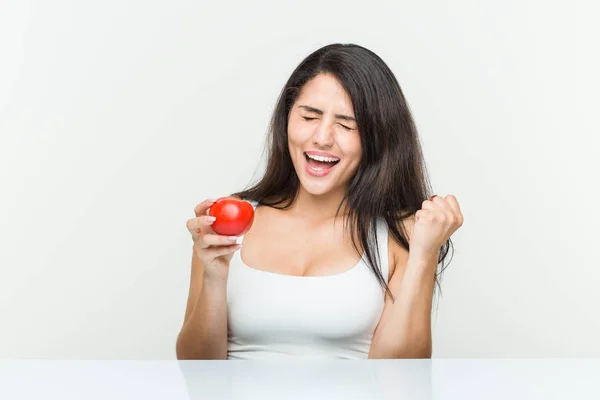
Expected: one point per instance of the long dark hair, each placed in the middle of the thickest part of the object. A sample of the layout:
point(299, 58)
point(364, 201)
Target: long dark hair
point(391, 181)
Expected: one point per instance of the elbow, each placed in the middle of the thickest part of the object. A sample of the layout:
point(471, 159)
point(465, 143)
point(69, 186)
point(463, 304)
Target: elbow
point(423, 353)
point(401, 354)
point(184, 350)
point(181, 350)
point(414, 350)
point(422, 349)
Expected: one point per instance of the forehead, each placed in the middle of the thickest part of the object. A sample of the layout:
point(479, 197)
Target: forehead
point(326, 93)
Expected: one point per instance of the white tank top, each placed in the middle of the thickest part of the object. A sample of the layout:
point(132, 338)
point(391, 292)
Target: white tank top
point(272, 315)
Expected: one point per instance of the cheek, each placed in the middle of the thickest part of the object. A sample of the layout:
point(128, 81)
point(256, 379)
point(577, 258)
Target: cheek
point(298, 134)
point(351, 148)
point(295, 142)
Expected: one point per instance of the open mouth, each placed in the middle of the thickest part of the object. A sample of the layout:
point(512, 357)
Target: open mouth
point(320, 163)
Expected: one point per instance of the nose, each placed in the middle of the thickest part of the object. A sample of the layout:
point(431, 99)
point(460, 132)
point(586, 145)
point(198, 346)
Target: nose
point(323, 135)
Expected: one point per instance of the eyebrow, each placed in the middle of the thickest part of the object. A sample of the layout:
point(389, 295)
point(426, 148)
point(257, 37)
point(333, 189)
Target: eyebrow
point(317, 111)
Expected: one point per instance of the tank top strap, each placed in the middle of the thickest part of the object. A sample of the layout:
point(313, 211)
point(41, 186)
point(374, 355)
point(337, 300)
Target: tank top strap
point(254, 203)
point(382, 244)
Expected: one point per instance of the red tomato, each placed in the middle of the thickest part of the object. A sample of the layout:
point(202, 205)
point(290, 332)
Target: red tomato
point(233, 217)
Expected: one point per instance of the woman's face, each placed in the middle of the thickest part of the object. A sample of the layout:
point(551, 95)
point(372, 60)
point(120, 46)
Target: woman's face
point(323, 138)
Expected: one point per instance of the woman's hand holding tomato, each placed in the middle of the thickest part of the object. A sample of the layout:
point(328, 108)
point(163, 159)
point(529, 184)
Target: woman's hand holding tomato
point(215, 231)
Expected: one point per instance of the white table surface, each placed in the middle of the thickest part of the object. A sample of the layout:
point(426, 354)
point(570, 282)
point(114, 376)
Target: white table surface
point(313, 380)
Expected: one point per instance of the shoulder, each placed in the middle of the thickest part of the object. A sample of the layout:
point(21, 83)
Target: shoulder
point(240, 198)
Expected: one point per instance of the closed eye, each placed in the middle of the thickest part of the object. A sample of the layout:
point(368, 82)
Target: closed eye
point(342, 125)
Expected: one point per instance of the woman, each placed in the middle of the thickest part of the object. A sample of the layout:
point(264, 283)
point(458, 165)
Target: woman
point(342, 257)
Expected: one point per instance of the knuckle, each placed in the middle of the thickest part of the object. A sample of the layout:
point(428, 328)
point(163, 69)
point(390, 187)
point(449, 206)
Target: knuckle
point(190, 224)
point(202, 207)
point(216, 240)
point(223, 250)
point(200, 247)
point(198, 239)
point(209, 239)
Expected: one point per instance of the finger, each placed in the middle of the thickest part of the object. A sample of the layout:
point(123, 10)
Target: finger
point(418, 215)
point(441, 203)
point(218, 240)
point(426, 215)
point(428, 205)
point(436, 215)
point(453, 203)
point(214, 252)
point(203, 207)
point(195, 225)
point(438, 203)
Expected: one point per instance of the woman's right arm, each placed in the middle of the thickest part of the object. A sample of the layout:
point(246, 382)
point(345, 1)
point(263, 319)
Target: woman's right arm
point(203, 335)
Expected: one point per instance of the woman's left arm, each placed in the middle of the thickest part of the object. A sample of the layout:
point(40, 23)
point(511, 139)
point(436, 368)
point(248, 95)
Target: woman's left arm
point(404, 330)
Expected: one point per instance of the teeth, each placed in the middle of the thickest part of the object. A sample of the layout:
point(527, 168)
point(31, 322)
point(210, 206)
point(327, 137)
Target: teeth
point(323, 158)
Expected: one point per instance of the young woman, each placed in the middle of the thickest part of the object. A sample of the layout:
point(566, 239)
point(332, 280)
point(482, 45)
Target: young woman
point(342, 258)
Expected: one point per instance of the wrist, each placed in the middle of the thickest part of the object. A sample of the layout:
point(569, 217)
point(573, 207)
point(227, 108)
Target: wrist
point(215, 279)
point(423, 255)
point(424, 261)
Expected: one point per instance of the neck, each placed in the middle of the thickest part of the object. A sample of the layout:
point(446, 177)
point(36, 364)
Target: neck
point(318, 207)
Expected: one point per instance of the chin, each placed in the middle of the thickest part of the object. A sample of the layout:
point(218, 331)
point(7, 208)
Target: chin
point(316, 189)
point(318, 186)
